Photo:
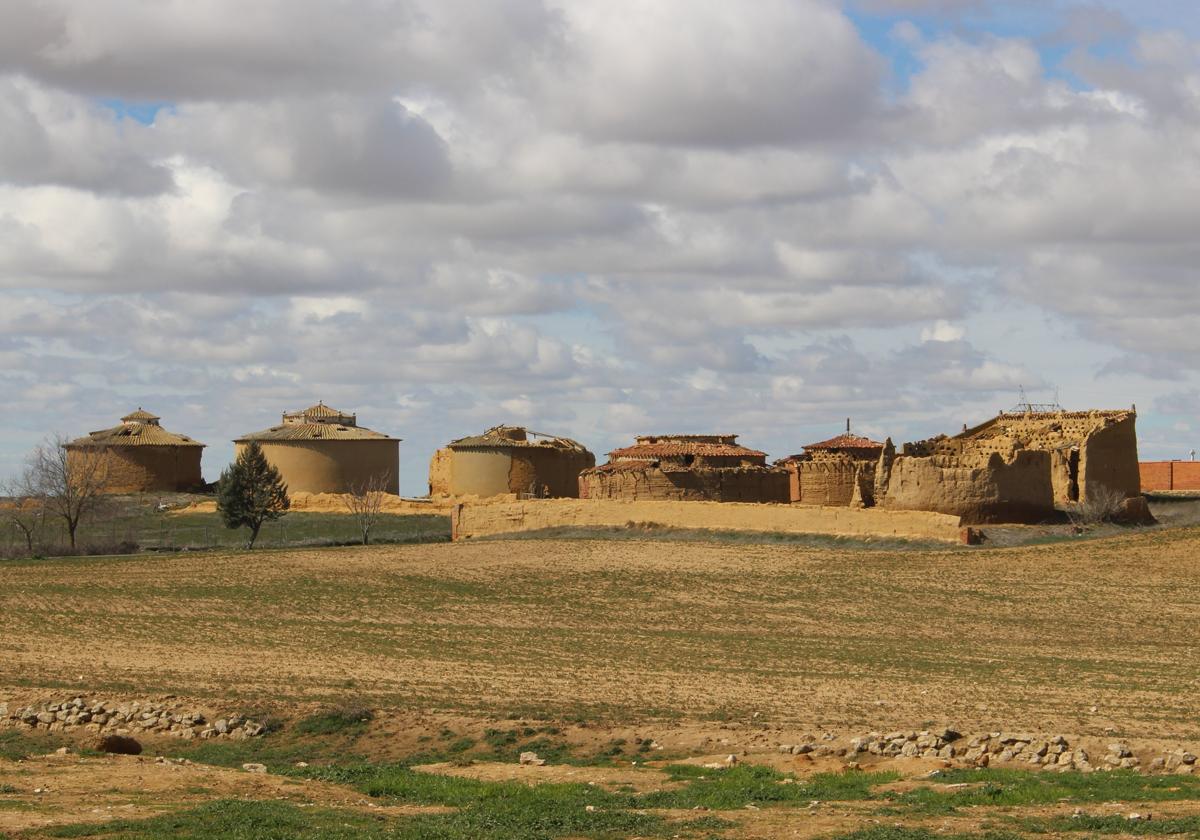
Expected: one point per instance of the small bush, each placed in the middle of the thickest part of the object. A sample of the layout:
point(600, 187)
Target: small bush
point(1103, 504)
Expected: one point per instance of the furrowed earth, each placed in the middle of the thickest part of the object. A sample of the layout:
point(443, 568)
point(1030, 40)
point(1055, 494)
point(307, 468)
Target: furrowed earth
point(399, 684)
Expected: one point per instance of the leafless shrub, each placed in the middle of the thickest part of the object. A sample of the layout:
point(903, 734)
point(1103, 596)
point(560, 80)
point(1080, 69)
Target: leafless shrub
point(24, 508)
point(365, 502)
point(1102, 504)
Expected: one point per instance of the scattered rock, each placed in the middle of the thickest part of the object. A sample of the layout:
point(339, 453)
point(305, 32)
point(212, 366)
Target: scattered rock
point(531, 759)
point(254, 767)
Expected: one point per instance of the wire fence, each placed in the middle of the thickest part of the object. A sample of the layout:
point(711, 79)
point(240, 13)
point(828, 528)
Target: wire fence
point(166, 535)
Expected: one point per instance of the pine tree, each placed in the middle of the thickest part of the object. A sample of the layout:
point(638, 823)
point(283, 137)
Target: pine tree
point(251, 492)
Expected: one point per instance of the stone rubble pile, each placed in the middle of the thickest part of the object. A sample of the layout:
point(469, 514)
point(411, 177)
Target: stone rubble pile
point(129, 718)
point(1054, 752)
point(984, 750)
point(911, 744)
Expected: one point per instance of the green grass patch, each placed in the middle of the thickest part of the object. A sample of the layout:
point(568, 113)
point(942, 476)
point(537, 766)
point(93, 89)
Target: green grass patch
point(745, 784)
point(238, 820)
point(484, 811)
point(16, 745)
point(1114, 824)
point(895, 832)
point(347, 720)
point(1024, 787)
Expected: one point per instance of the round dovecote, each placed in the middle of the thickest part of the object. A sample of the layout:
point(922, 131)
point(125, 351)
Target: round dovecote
point(320, 449)
point(141, 456)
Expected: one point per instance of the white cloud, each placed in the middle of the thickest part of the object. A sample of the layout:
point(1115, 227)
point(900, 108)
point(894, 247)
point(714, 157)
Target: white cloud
point(601, 219)
point(942, 331)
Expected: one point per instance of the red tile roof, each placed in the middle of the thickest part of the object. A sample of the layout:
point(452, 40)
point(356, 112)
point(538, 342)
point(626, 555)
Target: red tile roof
point(846, 441)
point(669, 450)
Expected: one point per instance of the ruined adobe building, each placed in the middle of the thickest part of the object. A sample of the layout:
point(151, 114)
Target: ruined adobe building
point(686, 468)
point(142, 456)
point(1016, 467)
point(839, 471)
point(323, 450)
point(509, 459)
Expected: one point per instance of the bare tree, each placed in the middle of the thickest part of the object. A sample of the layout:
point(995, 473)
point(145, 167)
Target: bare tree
point(26, 507)
point(365, 502)
point(71, 482)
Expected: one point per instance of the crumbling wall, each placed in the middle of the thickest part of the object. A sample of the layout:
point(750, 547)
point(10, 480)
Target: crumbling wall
point(1064, 474)
point(441, 468)
point(554, 472)
point(486, 472)
point(481, 520)
point(649, 482)
point(883, 471)
point(1019, 490)
point(825, 482)
point(1108, 460)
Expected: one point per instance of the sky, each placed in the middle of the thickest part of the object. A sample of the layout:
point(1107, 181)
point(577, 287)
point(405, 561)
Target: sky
point(598, 219)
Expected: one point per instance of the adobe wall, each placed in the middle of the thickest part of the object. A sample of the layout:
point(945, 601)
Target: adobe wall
point(440, 472)
point(310, 466)
point(1170, 475)
point(481, 520)
point(1000, 491)
point(555, 469)
point(496, 472)
point(478, 472)
point(828, 482)
point(144, 469)
point(1108, 458)
point(693, 484)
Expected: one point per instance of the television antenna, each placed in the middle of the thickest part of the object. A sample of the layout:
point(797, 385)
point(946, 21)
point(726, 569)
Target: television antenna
point(1024, 406)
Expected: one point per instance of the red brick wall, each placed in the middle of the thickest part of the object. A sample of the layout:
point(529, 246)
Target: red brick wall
point(1170, 475)
point(1186, 475)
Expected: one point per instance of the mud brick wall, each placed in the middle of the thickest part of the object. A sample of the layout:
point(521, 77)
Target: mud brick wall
point(481, 520)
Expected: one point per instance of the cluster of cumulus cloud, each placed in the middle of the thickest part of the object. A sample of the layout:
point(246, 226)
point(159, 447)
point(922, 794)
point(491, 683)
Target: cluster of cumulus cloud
point(604, 218)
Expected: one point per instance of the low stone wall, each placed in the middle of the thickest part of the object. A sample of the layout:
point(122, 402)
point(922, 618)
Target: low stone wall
point(107, 718)
point(537, 514)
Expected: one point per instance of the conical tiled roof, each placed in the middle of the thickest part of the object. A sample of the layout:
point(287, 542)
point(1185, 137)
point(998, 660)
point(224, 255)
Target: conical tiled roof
point(317, 422)
point(140, 416)
point(138, 428)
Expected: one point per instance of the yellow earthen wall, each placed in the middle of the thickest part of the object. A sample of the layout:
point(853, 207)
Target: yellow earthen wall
point(481, 520)
point(696, 484)
point(440, 473)
point(333, 466)
point(825, 482)
point(1020, 491)
point(144, 469)
point(495, 472)
point(1108, 458)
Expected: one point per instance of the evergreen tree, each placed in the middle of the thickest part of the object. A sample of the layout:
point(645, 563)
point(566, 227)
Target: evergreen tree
point(251, 492)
